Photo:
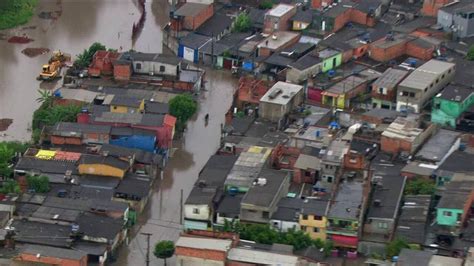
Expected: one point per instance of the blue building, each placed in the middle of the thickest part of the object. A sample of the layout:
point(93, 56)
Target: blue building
point(134, 138)
point(190, 45)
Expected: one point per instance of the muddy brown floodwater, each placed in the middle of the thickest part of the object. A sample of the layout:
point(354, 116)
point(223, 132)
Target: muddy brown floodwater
point(81, 23)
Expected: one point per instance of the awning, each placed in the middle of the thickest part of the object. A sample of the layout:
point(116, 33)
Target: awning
point(345, 241)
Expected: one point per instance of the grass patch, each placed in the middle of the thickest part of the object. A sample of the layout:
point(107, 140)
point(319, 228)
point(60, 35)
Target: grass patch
point(16, 12)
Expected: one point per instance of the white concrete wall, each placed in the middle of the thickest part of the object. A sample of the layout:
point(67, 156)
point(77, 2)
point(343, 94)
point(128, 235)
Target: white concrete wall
point(203, 212)
point(284, 226)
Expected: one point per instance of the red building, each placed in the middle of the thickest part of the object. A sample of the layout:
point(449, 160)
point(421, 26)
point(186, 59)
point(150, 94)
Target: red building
point(278, 18)
point(394, 46)
point(191, 15)
point(122, 71)
point(251, 90)
point(46, 255)
point(103, 63)
point(316, 4)
point(431, 7)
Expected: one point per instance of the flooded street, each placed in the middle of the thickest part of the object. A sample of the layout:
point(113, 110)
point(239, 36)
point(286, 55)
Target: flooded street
point(162, 216)
point(81, 23)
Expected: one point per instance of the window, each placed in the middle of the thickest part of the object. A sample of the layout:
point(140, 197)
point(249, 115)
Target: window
point(426, 89)
point(449, 71)
point(411, 94)
point(443, 76)
point(318, 218)
point(382, 225)
point(329, 179)
point(305, 217)
point(138, 66)
point(437, 80)
point(162, 68)
point(437, 105)
point(196, 211)
point(381, 91)
point(404, 93)
point(447, 213)
point(265, 215)
point(115, 107)
point(275, 26)
point(303, 228)
point(315, 230)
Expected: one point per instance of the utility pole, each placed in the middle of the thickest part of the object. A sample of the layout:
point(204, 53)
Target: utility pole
point(212, 51)
point(181, 208)
point(147, 248)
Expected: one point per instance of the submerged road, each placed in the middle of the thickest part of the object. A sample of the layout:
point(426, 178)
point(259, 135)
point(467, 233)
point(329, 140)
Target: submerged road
point(110, 22)
point(162, 216)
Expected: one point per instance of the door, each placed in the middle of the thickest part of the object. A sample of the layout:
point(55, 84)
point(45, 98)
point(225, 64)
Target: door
point(188, 54)
point(227, 63)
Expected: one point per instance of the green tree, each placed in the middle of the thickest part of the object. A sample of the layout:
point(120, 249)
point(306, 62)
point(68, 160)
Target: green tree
point(420, 186)
point(470, 53)
point(7, 153)
point(45, 98)
point(242, 23)
point(48, 116)
point(164, 249)
point(15, 12)
point(266, 4)
point(182, 107)
point(40, 184)
point(10, 186)
point(328, 247)
point(85, 58)
point(393, 248)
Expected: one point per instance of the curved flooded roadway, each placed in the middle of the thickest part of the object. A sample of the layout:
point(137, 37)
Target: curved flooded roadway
point(162, 215)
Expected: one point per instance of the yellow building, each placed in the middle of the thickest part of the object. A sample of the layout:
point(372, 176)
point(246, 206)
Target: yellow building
point(103, 166)
point(127, 104)
point(313, 218)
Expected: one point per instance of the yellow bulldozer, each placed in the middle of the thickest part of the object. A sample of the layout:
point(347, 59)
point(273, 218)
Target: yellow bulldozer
point(52, 70)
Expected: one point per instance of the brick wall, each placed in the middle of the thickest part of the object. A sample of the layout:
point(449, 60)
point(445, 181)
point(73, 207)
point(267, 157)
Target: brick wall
point(393, 145)
point(467, 207)
point(283, 22)
point(354, 161)
point(423, 53)
point(383, 54)
point(51, 260)
point(342, 20)
point(358, 16)
point(430, 7)
point(320, 3)
point(122, 72)
point(63, 140)
point(201, 253)
point(192, 23)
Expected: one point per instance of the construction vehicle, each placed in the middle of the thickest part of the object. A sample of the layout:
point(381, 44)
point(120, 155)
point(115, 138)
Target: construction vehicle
point(52, 70)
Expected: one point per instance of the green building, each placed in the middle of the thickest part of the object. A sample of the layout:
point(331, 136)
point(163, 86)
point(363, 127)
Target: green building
point(455, 203)
point(330, 59)
point(450, 104)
